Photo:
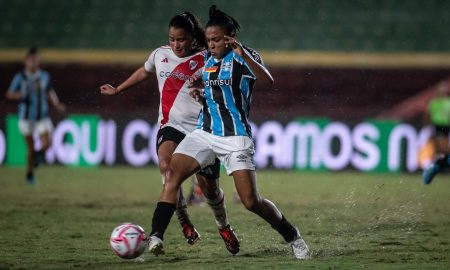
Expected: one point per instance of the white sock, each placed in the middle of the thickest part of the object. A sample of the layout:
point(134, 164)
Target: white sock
point(217, 205)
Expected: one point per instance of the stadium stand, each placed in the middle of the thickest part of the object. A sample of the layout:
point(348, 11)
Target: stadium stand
point(371, 25)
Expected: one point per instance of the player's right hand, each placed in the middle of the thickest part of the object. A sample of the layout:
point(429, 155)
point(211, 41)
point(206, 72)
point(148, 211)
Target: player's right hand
point(197, 94)
point(108, 90)
point(196, 88)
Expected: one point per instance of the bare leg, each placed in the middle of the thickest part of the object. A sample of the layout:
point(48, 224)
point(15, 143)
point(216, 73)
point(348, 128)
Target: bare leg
point(245, 182)
point(165, 152)
point(30, 153)
point(442, 145)
point(180, 168)
point(45, 141)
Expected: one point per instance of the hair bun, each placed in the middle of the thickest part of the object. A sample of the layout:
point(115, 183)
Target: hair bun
point(212, 11)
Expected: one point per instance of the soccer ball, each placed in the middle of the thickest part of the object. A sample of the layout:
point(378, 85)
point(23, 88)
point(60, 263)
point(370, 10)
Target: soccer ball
point(128, 240)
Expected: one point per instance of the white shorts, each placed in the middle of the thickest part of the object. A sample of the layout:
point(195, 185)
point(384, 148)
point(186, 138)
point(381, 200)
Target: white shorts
point(234, 152)
point(27, 127)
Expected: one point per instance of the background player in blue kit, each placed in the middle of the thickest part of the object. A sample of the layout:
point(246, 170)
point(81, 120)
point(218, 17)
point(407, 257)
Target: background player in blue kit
point(224, 132)
point(31, 87)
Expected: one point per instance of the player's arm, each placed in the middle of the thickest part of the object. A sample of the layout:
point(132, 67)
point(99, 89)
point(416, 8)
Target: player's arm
point(14, 95)
point(260, 71)
point(14, 92)
point(55, 101)
point(138, 76)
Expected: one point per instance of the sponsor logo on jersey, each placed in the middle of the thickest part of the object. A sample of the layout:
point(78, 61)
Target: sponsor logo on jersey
point(211, 69)
point(218, 82)
point(175, 75)
point(165, 60)
point(193, 64)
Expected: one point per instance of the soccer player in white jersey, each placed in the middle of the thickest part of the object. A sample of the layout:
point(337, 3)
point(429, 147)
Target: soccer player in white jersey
point(31, 87)
point(224, 132)
point(173, 65)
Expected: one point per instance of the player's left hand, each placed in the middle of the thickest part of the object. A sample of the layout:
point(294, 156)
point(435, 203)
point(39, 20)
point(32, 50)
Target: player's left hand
point(235, 45)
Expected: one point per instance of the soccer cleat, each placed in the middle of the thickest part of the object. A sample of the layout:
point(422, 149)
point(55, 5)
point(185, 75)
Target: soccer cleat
point(299, 248)
point(155, 245)
point(190, 233)
point(429, 173)
point(230, 239)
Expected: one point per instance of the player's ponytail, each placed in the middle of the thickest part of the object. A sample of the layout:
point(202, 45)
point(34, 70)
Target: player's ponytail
point(219, 18)
point(190, 23)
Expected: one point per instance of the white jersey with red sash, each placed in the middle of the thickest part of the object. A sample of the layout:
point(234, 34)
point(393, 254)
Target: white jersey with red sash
point(177, 108)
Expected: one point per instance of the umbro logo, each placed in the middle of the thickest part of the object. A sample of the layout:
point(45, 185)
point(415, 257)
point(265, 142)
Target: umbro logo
point(165, 60)
point(241, 158)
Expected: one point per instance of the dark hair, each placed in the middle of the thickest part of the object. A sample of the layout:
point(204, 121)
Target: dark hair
point(32, 51)
point(190, 23)
point(219, 18)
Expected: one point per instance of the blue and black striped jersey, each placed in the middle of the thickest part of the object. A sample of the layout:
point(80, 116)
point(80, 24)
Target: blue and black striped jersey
point(228, 85)
point(34, 88)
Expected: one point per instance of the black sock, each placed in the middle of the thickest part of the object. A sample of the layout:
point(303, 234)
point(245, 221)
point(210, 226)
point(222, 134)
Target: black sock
point(443, 161)
point(161, 218)
point(286, 230)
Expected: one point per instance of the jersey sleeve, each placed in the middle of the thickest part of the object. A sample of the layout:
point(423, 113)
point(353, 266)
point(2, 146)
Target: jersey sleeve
point(257, 58)
point(149, 65)
point(254, 55)
point(15, 83)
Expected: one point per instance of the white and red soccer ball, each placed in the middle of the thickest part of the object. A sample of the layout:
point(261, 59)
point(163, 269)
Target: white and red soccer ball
point(128, 240)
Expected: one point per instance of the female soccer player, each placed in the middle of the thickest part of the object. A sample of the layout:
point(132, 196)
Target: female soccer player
point(178, 115)
point(223, 132)
point(31, 87)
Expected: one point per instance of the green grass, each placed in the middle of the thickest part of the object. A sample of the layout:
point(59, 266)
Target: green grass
point(350, 221)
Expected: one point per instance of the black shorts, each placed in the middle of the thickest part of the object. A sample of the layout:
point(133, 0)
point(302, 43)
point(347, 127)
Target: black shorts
point(441, 130)
point(176, 136)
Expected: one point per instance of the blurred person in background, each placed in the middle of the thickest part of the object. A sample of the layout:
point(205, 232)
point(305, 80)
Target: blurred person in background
point(439, 116)
point(31, 87)
point(173, 66)
point(225, 89)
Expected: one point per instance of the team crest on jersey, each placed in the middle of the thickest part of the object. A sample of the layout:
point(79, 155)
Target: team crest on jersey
point(226, 66)
point(193, 64)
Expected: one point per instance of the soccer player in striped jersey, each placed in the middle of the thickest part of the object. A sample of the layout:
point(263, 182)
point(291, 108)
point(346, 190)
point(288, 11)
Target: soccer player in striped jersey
point(31, 87)
point(224, 132)
point(178, 115)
